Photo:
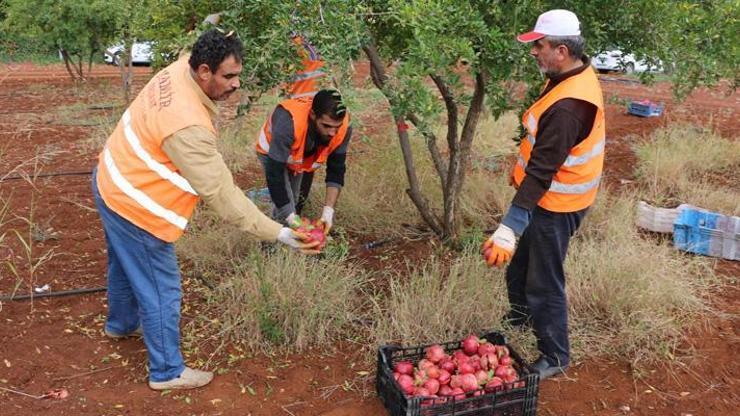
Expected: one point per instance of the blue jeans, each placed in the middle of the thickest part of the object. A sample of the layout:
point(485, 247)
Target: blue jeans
point(143, 289)
point(535, 280)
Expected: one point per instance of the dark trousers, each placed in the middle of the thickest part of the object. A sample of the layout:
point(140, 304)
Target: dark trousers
point(535, 280)
point(297, 186)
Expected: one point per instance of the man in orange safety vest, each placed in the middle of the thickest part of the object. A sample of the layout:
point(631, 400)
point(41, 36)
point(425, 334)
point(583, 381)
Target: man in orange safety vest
point(300, 136)
point(159, 161)
point(557, 175)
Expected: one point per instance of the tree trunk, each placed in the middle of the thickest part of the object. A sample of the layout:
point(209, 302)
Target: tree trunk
point(431, 140)
point(125, 66)
point(78, 67)
point(377, 73)
point(67, 63)
point(414, 190)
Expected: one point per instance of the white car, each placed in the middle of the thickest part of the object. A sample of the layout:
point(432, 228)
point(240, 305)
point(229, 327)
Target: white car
point(141, 53)
point(616, 60)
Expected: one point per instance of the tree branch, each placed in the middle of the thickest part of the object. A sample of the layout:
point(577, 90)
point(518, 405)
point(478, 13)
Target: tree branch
point(65, 56)
point(458, 163)
point(449, 100)
point(377, 74)
point(431, 139)
point(414, 190)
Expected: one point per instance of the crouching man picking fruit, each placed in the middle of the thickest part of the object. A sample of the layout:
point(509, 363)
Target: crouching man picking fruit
point(300, 136)
point(557, 177)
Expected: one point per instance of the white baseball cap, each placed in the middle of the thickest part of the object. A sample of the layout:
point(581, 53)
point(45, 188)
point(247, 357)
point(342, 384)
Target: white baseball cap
point(556, 22)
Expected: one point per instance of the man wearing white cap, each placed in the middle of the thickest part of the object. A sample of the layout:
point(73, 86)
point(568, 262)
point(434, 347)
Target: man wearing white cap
point(557, 176)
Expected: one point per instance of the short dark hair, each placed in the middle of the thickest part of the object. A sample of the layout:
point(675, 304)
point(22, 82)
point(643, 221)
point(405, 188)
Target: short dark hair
point(329, 102)
point(575, 44)
point(213, 46)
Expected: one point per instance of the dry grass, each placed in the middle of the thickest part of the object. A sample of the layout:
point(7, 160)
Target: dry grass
point(374, 199)
point(266, 296)
point(687, 164)
point(439, 301)
point(629, 295)
point(291, 300)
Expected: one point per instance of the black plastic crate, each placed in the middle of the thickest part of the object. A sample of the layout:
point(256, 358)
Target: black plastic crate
point(511, 401)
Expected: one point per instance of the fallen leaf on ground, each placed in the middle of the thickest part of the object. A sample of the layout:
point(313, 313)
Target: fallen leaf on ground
point(56, 394)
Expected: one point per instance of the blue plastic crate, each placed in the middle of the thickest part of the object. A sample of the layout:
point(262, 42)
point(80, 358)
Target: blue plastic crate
point(708, 233)
point(645, 109)
point(259, 195)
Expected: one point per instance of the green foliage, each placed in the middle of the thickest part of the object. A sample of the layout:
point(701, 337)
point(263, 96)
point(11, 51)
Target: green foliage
point(704, 43)
point(80, 27)
point(175, 25)
point(697, 41)
point(266, 28)
point(450, 38)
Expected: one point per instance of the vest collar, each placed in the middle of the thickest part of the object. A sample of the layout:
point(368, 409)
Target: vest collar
point(565, 75)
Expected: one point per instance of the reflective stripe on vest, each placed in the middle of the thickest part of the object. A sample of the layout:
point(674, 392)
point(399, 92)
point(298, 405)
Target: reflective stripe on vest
point(577, 188)
point(562, 188)
point(531, 140)
point(572, 160)
point(596, 151)
point(162, 171)
point(308, 75)
point(140, 197)
point(263, 143)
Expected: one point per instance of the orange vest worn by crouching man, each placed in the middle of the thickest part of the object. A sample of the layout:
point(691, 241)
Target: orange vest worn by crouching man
point(575, 184)
point(136, 179)
point(299, 109)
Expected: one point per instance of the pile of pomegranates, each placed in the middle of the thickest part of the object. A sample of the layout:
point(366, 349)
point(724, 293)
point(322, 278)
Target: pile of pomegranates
point(479, 367)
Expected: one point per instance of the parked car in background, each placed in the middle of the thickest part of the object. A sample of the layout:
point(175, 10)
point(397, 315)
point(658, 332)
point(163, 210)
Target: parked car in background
point(141, 53)
point(616, 60)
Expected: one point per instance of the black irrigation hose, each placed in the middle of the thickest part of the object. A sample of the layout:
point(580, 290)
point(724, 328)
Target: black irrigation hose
point(46, 175)
point(54, 294)
point(377, 243)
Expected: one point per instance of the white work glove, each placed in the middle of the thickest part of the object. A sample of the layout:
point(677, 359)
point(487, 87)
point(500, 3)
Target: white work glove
point(499, 248)
point(327, 218)
point(293, 220)
point(296, 240)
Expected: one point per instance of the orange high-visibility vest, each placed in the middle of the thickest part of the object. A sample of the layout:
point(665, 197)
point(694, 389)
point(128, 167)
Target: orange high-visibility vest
point(300, 109)
point(305, 82)
point(576, 183)
point(136, 178)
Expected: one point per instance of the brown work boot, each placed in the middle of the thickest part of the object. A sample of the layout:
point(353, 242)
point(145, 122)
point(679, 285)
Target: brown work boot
point(188, 379)
point(138, 333)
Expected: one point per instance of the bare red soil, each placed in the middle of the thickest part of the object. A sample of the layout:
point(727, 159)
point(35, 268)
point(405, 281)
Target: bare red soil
point(58, 342)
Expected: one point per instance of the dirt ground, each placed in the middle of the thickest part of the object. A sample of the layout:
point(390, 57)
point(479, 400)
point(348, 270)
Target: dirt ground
point(58, 342)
